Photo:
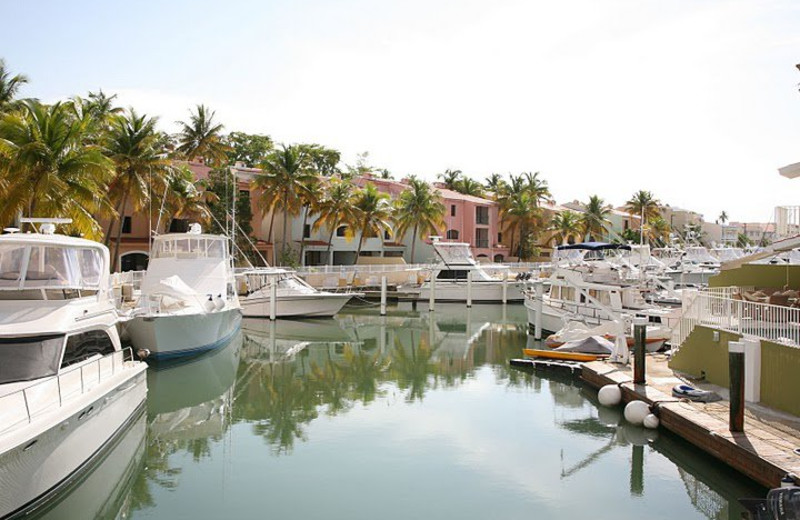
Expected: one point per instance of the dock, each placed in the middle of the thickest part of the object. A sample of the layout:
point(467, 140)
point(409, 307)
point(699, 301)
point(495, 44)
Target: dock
point(766, 451)
point(571, 367)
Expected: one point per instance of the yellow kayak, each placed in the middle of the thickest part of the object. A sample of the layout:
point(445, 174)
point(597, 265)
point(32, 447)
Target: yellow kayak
point(554, 354)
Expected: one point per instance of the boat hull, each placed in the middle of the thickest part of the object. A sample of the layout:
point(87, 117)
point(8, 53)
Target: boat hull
point(172, 335)
point(44, 457)
point(452, 291)
point(295, 306)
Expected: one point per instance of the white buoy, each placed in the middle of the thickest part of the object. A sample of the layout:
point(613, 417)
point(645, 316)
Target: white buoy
point(636, 411)
point(209, 304)
point(609, 395)
point(651, 421)
point(219, 302)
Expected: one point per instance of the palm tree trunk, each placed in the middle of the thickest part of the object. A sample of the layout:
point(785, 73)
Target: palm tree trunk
point(114, 258)
point(303, 234)
point(330, 243)
point(285, 219)
point(269, 236)
point(360, 241)
point(107, 239)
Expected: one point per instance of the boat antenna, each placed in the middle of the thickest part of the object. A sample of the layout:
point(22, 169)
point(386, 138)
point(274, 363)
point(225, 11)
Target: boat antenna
point(233, 211)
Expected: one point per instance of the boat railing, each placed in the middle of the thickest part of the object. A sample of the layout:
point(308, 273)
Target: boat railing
point(778, 323)
point(25, 405)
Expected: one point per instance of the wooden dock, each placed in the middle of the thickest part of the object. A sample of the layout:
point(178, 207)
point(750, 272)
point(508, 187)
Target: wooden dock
point(765, 451)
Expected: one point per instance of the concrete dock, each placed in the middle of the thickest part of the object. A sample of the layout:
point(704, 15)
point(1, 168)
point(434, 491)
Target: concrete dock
point(764, 451)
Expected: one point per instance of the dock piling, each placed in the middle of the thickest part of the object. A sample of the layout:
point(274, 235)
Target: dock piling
point(273, 299)
point(639, 347)
point(469, 289)
point(432, 299)
point(505, 288)
point(538, 295)
point(736, 367)
point(383, 296)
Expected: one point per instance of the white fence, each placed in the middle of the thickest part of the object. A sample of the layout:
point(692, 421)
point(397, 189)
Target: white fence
point(24, 405)
point(718, 309)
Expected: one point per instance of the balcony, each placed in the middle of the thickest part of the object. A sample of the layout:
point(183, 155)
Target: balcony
point(482, 244)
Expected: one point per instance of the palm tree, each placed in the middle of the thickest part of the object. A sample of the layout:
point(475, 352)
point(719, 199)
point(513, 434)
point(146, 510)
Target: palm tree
point(645, 205)
point(420, 209)
point(201, 137)
point(450, 178)
point(336, 207)
point(594, 219)
point(373, 212)
point(659, 231)
point(184, 197)
point(309, 198)
point(537, 187)
point(723, 218)
point(566, 225)
point(9, 86)
point(284, 179)
point(140, 163)
point(522, 213)
point(50, 170)
point(469, 186)
point(495, 184)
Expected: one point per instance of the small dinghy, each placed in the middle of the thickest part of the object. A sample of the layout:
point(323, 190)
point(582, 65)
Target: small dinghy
point(587, 349)
point(695, 394)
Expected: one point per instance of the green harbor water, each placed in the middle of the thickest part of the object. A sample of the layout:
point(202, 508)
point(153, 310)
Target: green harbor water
point(413, 415)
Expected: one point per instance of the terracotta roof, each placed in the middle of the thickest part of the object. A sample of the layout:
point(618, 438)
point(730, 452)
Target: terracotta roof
point(314, 242)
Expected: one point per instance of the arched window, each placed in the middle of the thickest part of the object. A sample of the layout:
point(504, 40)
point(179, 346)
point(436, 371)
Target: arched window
point(133, 261)
point(340, 231)
point(452, 234)
point(498, 258)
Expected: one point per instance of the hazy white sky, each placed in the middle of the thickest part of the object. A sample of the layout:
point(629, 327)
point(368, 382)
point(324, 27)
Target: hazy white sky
point(695, 100)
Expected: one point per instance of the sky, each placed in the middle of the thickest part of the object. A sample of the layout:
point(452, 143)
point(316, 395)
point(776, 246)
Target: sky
point(694, 100)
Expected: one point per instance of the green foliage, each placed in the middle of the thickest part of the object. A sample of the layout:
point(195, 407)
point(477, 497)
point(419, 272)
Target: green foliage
point(419, 209)
point(9, 86)
point(220, 182)
point(201, 138)
point(250, 149)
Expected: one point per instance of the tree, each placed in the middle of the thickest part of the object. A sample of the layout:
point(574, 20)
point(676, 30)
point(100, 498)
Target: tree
point(284, 180)
point(495, 184)
point(742, 241)
point(420, 209)
point(450, 178)
point(322, 162)
point(522, 213)
point(643, 204)
point(594, 219)
point(250, 149)
point(9, 86)
point(186, 201)
point(659, 231)
point(139, 163)
point(336, 207)
point(723, 218)
point(201, 138)
point(373, 213)
point(566, 225)
point(49, 170)
point(469, 186)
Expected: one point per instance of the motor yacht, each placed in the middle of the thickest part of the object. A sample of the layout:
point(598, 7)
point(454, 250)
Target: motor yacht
point(294, 298)
point(188, 302)
point(451, 277)
point(68, 390)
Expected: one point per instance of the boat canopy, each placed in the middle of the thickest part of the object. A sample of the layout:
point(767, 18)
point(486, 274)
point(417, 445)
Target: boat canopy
point(188, 245)
point(29, 264)
point(454, 253)
point(594, 246)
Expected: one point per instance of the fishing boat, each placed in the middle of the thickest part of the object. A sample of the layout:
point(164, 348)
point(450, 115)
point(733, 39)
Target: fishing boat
point(68, 390)
point(294, 298)
point(188, 302)
point(451, 277)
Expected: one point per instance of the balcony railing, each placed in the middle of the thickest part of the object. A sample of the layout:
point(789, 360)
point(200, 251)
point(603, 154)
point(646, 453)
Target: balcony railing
point(482, 243)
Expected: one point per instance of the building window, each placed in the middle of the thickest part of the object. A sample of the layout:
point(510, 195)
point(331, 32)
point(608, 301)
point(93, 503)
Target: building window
point(452, 210)
point(307, 231)
point(481, 237)
point(178, 225)
point(340, 231)
point(482, 215)
point(499, 237)
point(452, 234)
point(498, 258)
point(126, 225)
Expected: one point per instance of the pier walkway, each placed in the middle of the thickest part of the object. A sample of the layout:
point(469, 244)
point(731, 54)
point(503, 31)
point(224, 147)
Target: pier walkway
point(765, 451)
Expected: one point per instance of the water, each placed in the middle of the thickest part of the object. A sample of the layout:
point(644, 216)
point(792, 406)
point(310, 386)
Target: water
point(399, 417)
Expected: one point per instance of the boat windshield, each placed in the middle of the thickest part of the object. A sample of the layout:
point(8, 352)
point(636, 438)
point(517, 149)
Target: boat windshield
point(454, 253)
point(26, 359)
point(33, 266)
point(188, 246)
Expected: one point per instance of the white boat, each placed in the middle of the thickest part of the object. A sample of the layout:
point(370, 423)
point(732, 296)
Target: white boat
point(188, 302)
point(67, 389)
point(595, 294)
point(294, 298)
point(451, 278)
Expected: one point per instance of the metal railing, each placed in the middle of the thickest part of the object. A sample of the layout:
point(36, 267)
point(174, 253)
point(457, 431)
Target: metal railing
point(718, 310)
point(51, 393)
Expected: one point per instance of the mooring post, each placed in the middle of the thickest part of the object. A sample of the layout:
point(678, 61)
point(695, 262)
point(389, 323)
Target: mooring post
point(637, 470)
point(273, 298)
point(505, 287)
point(432, 299)
point(538, 295)
point(383, 296)
point(639, 348)
point(469, 288)
point(736, 366)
